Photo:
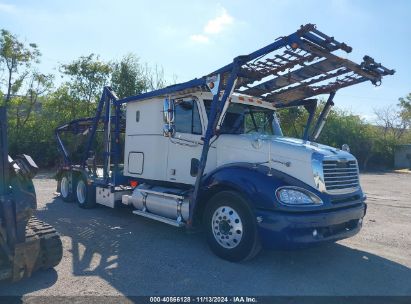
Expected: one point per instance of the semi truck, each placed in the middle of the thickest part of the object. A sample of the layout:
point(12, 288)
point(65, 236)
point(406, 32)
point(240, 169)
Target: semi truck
point(209, 154)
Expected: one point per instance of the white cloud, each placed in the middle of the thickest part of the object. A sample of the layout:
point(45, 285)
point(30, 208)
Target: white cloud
point(216, 25)
point(7, 8)
point(371, 118)
point(199, 38)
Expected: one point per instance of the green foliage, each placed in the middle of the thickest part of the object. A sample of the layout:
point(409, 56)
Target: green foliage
point(346, 128)
point(405, 109)
point(372, 145)
point(87, 76)
point(15, 55)
point(128, 78)
point(293, 121)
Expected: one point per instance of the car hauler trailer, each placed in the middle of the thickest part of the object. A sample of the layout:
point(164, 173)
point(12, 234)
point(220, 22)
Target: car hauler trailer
point(210, 152)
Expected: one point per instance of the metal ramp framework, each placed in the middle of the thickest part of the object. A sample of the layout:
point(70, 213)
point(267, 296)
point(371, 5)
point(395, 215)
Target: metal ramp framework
point(291, 69)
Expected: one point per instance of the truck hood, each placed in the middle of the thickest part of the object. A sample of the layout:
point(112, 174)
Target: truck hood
point(304, 146)
point(289, 155)
point(289, 147)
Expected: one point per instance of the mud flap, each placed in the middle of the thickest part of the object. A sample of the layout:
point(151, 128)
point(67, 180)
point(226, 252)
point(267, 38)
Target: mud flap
point(91, 193)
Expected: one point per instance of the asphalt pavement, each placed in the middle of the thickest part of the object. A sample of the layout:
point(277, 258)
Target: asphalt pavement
point(112, 252)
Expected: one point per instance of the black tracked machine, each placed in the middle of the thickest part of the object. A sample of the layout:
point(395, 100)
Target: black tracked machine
point(26, 243)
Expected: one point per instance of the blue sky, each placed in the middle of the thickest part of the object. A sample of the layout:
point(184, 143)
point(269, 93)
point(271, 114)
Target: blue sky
point(192, 38)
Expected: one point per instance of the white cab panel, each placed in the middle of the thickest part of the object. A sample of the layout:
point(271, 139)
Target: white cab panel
point(182, 149)
point(145, 153)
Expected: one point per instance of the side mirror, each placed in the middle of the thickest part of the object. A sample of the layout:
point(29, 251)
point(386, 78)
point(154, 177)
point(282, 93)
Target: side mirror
point(168, 109)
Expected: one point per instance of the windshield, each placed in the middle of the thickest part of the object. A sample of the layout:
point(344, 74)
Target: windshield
point(245, 119)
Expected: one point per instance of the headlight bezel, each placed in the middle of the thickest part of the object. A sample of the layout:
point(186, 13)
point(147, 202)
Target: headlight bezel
point(315, 200)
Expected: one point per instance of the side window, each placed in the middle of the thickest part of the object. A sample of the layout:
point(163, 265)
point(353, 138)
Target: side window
point(196, 120)
point(207, 105)
point(187, 117)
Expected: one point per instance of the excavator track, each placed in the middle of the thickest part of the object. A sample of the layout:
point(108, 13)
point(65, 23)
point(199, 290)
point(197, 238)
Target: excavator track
point(41, 250)
point(51, 248)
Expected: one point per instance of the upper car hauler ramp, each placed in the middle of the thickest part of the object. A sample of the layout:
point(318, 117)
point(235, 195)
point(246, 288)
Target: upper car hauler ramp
point(289, 70)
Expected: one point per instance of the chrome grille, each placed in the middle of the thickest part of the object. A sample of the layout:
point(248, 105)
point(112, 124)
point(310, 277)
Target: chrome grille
point(340, 175)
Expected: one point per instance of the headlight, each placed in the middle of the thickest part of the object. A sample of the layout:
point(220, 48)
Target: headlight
point(295, 196)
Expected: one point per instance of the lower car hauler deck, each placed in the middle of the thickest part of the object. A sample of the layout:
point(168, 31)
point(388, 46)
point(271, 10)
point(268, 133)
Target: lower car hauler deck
point(209, 153)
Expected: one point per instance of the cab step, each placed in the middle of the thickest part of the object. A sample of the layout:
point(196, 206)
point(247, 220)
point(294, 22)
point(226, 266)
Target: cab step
point(159, 218)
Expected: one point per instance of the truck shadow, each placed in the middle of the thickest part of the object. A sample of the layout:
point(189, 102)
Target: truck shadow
point(137, 256)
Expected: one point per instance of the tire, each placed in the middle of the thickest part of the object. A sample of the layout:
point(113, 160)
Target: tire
point(82, 195)
point(64, 185)
point(230, 227)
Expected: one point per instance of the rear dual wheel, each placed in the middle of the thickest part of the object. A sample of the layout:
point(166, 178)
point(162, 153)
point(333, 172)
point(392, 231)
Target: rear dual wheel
point(82, 195)
point(81, 192)
point(76, 189)
point(65, 187)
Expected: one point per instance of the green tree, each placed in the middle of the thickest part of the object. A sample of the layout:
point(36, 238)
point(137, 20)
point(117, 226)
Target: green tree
point(154, 77)
point(23, 106)
point(405, 110)
point(342, 127)
point(61, 106)
point(128, 77)
point(392, 129)
point(293, 121)
point(88, 75)
point(14, 56)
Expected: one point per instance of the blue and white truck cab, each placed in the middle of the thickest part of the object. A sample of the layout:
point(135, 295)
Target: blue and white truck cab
point(210, 152)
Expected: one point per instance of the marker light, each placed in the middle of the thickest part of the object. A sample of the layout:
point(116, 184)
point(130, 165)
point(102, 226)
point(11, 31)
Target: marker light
point(133, 183)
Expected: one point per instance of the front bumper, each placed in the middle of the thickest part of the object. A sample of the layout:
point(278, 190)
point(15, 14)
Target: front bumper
point(280, 229)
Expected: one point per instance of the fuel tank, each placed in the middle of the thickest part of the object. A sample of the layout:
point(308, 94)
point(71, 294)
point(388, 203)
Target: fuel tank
point(166, 202)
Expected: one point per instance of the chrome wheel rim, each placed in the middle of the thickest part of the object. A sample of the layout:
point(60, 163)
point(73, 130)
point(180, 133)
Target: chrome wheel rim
point(81, 192)
point(64, 187)
point(227, 227)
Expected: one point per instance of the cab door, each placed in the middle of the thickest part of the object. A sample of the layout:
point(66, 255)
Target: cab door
point(186, 145)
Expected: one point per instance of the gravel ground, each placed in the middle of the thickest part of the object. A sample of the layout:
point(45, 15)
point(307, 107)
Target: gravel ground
point(113, 252)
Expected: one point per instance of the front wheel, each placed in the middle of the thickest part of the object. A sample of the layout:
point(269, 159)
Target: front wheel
point(231, 228)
